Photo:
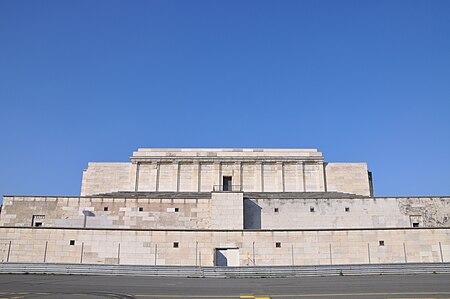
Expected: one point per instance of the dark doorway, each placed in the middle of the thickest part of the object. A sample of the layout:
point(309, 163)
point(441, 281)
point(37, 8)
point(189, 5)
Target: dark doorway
point(227, 183)
point(226, 257)
point(221, 258)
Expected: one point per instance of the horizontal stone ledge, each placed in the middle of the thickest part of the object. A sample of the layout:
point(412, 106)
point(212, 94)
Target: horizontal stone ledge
point(203, 195)
point(256, 160)
point(227, 230)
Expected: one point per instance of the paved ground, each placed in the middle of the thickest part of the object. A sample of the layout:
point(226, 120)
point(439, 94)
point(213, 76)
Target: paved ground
point(86, 287)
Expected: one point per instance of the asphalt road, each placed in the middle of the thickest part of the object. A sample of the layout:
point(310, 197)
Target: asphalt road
point(86, 287)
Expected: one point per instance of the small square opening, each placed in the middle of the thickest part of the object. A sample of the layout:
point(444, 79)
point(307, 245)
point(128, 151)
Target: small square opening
point(176, 244)
point(141, 209)
point(347, 209)
point(105, 209)
point(275, 210)
point(37, 220)
point(311, 209)
point(72, 242)
point(415, 224)
point(278, 244)
point(381, 243)
point(177, 209)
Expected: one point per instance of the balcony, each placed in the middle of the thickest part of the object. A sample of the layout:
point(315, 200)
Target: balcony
point(227, 188)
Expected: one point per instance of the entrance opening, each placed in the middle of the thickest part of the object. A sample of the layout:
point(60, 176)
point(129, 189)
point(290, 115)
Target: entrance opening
point(227, 183)
point(226, 257)
point(221, 258)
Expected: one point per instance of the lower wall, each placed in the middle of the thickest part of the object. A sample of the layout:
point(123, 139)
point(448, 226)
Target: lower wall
point(147, 247)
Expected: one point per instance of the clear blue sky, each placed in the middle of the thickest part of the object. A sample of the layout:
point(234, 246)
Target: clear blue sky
point(88, 81)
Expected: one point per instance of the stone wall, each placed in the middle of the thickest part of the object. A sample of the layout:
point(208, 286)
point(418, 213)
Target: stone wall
point(332, 213)
point(348, 177)
point(107, 177)
point(107, 212)
point(149, 247)
point(199, 170)
point(202, 177)
point(228, 210)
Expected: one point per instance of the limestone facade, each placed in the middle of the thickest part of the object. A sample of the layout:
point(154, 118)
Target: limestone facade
point(249, 170)
point(198, 247)
point(227, 210)
point(225, 207)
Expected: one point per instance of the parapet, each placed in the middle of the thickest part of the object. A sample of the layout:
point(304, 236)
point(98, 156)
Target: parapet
point(240, 154)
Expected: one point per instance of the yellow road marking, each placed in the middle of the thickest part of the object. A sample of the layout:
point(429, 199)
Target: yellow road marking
point(278, 296)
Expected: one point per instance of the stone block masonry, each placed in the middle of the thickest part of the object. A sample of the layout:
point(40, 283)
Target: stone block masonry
point(225, 207)
point(199, 170)
point(226, 210)
point(197, 247)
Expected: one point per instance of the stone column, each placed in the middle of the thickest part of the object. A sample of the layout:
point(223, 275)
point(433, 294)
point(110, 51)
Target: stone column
point(199, 177)
point(303, 176)
point(178, 175)
point(241, 176)
point(195, 177)
point(134, 180)
point(216, 173)
point(220, 174)
point(158, 166)
point(262, 177)
point(324, 174)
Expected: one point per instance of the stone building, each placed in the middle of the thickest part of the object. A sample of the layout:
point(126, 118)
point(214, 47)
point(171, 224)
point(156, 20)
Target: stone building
point(232, 207)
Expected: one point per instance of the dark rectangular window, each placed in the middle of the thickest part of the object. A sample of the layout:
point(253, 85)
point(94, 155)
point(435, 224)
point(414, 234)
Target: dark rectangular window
point(176, 245)
point(381, 243)
point(141, 209)
point(227, 183)
point(275, 210)
point(177, 209)
point(415, 224)
point(37, 220)
point(278, 244)
point(72, 242)
point(105, 209)
point(311, 209)
point(347, 209)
